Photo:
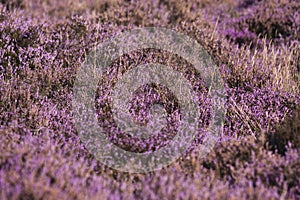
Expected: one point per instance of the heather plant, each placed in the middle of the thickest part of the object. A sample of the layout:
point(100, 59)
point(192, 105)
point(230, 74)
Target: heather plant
point(275, 20)
point(256, 45)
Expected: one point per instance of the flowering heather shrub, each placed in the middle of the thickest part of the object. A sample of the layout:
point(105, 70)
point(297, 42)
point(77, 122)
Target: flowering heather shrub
point(275, 20)
point(251, 110)
point(42, 46)
point(247, 159)
point(147, 96)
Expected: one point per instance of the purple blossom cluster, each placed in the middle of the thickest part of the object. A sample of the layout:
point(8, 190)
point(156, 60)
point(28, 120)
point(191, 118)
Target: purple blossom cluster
point(275, 20)
point(254, 42)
